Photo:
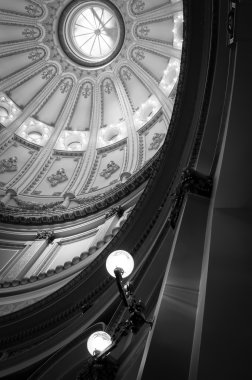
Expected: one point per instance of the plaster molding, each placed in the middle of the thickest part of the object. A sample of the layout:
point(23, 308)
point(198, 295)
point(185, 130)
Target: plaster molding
point(90, 156)
point(17, 77)
point(155, 90)
point(106, 231)
point(31, 10)
point(31, 108)
point(87, 167)
point(137, 9)
point(167, 51)
point(132, 148)
point(145, 34)
point(45, 152)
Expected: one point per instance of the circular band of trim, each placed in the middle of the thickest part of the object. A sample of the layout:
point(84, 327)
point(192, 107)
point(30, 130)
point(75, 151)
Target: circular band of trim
point(103, 32)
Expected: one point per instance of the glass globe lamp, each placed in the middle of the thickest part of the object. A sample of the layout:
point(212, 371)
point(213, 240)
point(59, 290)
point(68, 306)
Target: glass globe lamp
point(98, 342)
point(121, 260)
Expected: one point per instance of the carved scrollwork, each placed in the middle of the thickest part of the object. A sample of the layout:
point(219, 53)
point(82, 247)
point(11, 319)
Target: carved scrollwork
point(115, 210)
point(112, 167)
point(108, 86)
point(156, 141)
point(94, 198)
point(143, 31)
point(48, 73)
point(126, 74)
point(137, 6)
point(138, 54)
point(33, 9)
point(86, 90)
point(31, 33)
point(66, 86)
point(45, 234)
point(8, 165)
point(57, 178)
point(36, 54)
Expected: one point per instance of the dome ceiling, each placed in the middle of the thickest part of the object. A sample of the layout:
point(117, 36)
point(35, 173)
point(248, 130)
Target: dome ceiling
point(87, 90)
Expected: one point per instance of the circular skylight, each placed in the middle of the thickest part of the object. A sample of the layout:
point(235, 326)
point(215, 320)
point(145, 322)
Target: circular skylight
point(91, 32)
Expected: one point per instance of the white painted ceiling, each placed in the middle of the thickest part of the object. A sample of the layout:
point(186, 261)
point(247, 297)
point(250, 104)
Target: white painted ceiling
point(71, 131)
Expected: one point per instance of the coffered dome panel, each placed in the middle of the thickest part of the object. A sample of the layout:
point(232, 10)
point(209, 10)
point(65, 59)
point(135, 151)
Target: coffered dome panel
point(35, 132)
point(87, 92)
point(25, 91)
point(81, 114)
point(8, 111)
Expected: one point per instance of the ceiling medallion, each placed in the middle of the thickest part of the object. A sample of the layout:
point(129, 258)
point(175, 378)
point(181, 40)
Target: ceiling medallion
point(91, 33)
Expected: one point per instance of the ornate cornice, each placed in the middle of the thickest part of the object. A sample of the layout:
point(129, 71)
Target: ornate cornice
point(75, 263)
point(32, 213)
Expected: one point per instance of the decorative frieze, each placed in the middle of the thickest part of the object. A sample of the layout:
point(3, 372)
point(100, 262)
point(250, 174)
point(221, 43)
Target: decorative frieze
point(37, 213)
point(36, 207)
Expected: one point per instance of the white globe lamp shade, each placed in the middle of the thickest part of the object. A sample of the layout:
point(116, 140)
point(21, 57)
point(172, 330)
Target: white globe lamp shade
point(120, 260)
point(98, 342)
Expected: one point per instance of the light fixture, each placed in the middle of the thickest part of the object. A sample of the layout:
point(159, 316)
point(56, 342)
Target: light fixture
point(98, 342)
point(122, 261)
point(120, 265)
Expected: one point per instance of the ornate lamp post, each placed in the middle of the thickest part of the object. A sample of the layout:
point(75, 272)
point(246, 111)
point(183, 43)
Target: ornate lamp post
point(120, 265)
